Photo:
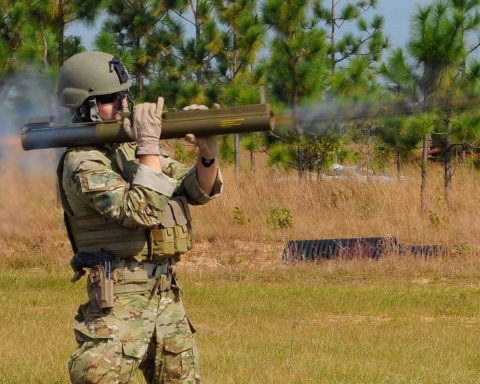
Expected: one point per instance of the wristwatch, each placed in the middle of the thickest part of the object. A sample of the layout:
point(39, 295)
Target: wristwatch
point(207, 163)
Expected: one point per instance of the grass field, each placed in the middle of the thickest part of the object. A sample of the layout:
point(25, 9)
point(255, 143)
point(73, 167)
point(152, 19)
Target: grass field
point(393, 321)
point(396, 320)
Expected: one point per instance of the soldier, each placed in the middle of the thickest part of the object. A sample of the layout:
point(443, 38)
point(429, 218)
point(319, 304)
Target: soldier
point(127, 217)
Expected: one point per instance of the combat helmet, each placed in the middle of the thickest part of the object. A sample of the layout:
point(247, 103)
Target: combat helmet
point(88, 74)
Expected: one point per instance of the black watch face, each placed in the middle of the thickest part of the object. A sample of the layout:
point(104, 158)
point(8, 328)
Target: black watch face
point(207, 162)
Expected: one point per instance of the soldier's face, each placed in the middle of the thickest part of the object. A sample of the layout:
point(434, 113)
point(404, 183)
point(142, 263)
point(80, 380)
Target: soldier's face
point(110, 106)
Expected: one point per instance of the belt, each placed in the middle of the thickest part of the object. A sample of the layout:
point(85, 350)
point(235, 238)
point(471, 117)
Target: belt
point(131, 276)
point(131, 268)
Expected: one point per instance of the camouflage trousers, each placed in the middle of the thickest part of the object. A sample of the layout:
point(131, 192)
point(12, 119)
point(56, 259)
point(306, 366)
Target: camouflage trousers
point(153, 335)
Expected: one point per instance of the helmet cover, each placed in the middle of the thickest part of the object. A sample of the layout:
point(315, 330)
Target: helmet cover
point(90, 73)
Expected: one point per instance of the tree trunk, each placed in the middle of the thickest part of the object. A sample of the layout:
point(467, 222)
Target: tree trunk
point(198, 72)
point(61, 33)
point(234, 54)
point(424, 167)
point(301, 162)
point(295, 124)
point(398, 162)
point(139, 78)
point(236, 151)
point(447, 161)
point(332, 36)
point(236, 141)
point(299, 131)
point(61, 45)
point(45, 45)
point(138, 71)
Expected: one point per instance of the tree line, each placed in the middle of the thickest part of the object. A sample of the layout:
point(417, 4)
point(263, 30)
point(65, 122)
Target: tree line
point(296, 55)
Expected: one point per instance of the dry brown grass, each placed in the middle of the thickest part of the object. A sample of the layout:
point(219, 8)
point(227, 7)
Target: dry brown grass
point(31, 228)
point(345, 208)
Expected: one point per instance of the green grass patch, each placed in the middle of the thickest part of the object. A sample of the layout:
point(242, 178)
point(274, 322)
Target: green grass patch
point(316, 324)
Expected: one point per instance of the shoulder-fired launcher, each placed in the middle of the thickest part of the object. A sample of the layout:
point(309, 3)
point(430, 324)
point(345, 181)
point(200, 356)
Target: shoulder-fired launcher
point(41, 133)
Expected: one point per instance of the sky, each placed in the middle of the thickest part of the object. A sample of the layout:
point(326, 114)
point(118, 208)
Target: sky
point(397, 15)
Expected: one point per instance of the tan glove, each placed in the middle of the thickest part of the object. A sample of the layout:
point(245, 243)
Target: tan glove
point(147, 127)
point(207, 146)
point(194, 107)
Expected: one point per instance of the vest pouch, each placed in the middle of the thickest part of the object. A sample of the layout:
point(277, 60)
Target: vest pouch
point(164, 236)
point(173, 236)
point(183, 234)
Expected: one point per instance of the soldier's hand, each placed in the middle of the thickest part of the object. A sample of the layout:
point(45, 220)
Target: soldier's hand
point(195, 107)
point(207, 146)
point(147, 127)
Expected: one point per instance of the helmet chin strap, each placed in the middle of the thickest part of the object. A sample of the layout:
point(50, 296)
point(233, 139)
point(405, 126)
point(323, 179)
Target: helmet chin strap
point(88, 111)
point(94, 113)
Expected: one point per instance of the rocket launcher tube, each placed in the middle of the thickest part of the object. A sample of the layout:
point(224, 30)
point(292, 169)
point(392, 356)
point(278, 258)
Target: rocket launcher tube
point(40, 133)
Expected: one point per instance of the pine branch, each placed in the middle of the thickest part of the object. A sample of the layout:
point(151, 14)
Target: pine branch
point(280, 138)
point(355, 47)
point(183, 17)
point(474, 48)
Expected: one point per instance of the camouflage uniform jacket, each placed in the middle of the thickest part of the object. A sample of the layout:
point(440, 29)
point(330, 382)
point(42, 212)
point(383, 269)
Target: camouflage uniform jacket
point(114, 203)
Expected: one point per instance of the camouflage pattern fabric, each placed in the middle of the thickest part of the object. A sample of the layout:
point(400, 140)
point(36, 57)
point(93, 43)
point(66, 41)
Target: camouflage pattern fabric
point(121, 200)
point(94, 184)
point(102, 182)
point(153, 335)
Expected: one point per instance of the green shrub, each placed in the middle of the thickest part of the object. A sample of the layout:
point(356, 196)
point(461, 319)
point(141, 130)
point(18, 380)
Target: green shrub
point(338, 198)
point(280, 217)
point(438, 220)
point(239, 216)
point(367, 210)
point(462, 248)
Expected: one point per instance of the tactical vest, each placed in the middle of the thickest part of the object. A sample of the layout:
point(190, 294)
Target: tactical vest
point(93, 233)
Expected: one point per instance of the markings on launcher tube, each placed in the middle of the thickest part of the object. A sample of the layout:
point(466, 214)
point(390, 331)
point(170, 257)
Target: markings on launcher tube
point(231, 122)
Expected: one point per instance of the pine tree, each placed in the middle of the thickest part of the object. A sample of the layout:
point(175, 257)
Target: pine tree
point(356, 85)
point(368, 41)
point(139, 32)
point(441, 74)
point(52, 17)
point(10, 35)
point(440, 48)
point(196, 53)
point(397, 132)
point(296, 68)
point(241, 38)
